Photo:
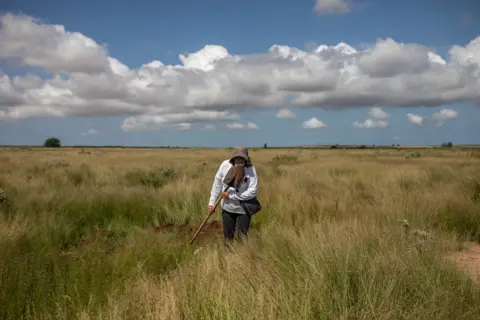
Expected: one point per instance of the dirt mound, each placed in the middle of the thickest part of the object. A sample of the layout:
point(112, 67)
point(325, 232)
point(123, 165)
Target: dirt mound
point(469, 260)
point(210, 230)
point(169, 227)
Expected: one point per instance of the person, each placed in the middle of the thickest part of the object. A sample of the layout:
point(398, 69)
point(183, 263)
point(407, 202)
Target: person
point(233, 213)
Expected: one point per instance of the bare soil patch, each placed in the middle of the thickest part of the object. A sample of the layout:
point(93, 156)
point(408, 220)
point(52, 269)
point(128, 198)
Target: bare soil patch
point(210, 229)
point(468, 260)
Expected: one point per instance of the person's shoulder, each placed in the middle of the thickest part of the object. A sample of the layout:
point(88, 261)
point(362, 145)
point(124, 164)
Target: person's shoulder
point(225, 163)
point(252, 169)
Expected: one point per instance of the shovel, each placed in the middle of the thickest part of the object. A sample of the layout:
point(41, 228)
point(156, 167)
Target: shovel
point(233, 178)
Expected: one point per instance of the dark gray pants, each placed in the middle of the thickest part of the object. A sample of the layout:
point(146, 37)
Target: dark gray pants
point(230, 221)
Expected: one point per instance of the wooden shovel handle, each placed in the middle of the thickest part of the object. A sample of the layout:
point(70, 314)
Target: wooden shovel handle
point(208, 216)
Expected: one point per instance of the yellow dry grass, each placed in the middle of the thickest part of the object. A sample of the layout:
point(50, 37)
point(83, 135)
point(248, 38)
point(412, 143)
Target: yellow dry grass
point(327, 245)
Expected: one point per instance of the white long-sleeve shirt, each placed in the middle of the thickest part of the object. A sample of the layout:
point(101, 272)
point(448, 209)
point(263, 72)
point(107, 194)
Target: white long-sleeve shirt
point(247, 190)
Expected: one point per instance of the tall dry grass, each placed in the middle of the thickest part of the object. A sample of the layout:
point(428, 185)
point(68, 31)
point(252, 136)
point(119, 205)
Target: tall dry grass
point(76, 236)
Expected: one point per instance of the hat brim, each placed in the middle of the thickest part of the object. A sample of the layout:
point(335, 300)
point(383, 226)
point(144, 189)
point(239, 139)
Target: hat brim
point(240, 155)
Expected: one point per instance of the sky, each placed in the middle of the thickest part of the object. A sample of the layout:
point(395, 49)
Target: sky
point(221, 73)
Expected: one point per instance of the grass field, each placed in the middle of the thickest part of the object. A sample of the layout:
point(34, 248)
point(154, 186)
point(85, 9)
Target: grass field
point(103, 234)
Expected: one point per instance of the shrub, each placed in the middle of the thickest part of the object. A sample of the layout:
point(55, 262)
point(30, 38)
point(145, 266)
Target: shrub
point(52, 142)
point(154, 178)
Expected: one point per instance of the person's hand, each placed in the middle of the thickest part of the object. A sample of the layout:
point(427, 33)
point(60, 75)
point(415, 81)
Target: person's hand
point(210, 209)
point(225, 195)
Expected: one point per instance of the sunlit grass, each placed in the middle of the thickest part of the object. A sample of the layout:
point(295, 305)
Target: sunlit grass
point(77, 236)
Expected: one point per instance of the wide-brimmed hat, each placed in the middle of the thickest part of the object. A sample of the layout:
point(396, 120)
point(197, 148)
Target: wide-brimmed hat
point(242, 152)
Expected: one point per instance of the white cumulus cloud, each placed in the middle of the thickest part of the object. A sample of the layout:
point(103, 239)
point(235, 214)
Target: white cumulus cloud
point(313, 123)
point(286, 114)
point(438, 117)
point(415, 119)
point(183, 126)
point(90, 132)
point(49, 46)
point(378, 114)
point(377, 119)
point(444, 115)
point(213, 84)
point(370, 123)
point(205, 58)
point(332, 6)
point(251, 125)
point(152, 122)
point(238, 125)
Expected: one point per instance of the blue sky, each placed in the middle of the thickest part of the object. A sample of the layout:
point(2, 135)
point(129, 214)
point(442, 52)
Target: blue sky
point(138, 32)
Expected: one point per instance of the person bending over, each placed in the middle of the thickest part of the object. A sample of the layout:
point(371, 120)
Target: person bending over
point(233, 212)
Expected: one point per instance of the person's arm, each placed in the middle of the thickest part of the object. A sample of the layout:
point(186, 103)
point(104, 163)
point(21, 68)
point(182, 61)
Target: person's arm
point(251, 191)
point(216, 186)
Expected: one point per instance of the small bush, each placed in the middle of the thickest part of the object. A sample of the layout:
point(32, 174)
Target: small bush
point(155, 178)
point(52, 142)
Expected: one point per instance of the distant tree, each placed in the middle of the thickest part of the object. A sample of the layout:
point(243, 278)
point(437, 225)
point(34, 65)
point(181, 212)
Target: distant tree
point(52, 142)
point(265, 145)
point(448, 144)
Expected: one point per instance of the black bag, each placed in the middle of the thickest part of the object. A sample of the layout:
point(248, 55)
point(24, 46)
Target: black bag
point(251, 206)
